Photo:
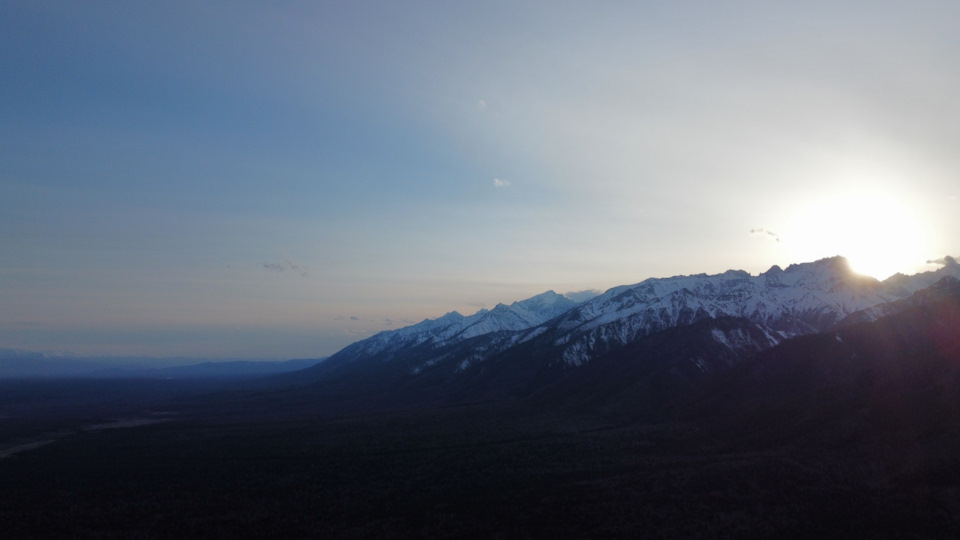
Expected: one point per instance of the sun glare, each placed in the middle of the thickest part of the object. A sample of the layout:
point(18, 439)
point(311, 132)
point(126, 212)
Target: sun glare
point(878, 234)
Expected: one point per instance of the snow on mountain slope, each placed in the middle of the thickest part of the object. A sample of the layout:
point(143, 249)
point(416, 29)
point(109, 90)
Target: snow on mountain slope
point(804, 298)
point(454, 327)
point(429, 330)
point(519, 315)
point(779, 304)
point(947, 286)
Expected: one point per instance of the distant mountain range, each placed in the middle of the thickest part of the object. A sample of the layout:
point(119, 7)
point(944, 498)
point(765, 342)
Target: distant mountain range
point(669, 330)
point(16, 363)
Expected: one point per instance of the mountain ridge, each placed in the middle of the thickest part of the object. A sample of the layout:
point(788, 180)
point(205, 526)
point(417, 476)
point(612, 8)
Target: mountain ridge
point(779, 303)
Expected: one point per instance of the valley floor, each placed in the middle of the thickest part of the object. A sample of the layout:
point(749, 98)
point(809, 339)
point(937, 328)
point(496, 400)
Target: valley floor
point(486, 470)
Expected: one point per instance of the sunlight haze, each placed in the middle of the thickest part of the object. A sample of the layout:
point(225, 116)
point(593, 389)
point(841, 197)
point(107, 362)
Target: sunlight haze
point(264, 180)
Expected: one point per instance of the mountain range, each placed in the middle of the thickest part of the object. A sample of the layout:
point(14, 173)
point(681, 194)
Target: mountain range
point(679, 328)
point(16, 363)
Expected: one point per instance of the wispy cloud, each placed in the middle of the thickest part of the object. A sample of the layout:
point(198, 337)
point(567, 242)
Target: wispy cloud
point(482, 104)
point(765, 234)
point(294, 265)
point(287, 262)
point(356, 318)
point(500, 183)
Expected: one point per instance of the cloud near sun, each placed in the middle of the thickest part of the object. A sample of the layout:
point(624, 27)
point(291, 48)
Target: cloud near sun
point(765, 234)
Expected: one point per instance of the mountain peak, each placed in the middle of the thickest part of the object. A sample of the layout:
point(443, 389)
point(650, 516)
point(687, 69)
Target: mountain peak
point(548, 298)
point(519, 315)
point(837, 262)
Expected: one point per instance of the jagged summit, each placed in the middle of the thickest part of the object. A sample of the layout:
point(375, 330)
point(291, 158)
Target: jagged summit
point(548, 298)
point(837, 262)
point(804, 298)
point(519, 315)
point(455, 327)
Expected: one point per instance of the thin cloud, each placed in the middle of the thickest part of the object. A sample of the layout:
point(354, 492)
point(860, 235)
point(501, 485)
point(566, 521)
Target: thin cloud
point(294, 265)
point(356, 318)
point(288, 262)
point(500, 183)
point(482, 104)
point(765, 234)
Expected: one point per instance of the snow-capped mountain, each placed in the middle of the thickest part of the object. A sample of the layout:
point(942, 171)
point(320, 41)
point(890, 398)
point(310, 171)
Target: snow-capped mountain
point(453, 327)
point(802, 299)
point(552, 330)
point(944, 288)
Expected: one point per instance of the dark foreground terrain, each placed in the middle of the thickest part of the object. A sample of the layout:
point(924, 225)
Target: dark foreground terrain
point(477, 471)
point(850, 433)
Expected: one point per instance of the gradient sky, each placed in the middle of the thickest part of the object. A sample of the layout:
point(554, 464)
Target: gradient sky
point(279, 179)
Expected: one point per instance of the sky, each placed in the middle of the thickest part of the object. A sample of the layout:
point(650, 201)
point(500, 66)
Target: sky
point(230, 179)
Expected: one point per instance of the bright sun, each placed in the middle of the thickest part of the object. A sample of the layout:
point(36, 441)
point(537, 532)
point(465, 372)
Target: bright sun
point(877, 234)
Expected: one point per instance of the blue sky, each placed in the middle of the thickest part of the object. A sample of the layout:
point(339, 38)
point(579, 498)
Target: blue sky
point(279, 179)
